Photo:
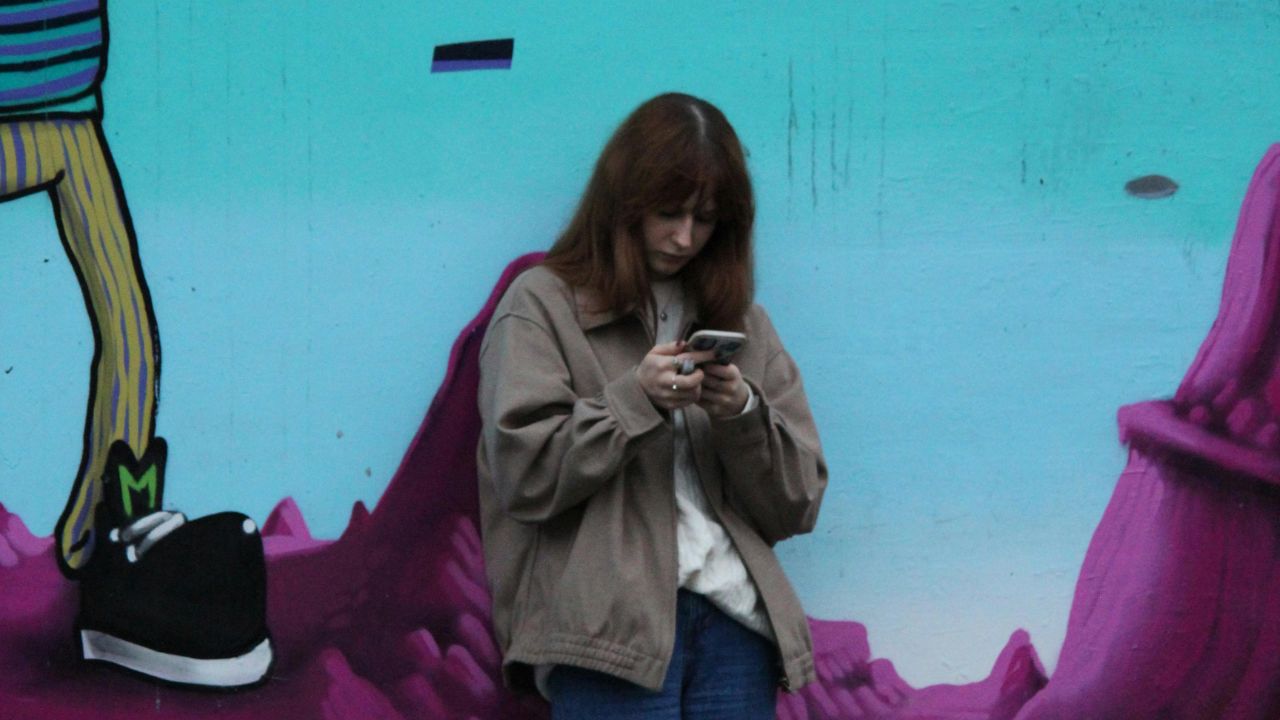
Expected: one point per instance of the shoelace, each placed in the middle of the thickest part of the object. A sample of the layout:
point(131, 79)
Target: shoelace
point(150, 528)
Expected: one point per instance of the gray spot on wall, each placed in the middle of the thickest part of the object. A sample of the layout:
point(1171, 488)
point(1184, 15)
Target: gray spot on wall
point(1151, 187)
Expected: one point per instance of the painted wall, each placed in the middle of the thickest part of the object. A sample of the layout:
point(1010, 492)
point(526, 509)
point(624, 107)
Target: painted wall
point(944, 241)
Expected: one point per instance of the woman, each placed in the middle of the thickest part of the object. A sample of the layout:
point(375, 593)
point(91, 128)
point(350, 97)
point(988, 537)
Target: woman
point(629, 510)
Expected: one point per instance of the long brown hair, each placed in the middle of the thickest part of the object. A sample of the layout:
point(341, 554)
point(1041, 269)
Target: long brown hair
point(669, 149)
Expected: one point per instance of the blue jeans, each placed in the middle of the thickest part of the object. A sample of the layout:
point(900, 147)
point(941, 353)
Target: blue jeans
point(719, 670)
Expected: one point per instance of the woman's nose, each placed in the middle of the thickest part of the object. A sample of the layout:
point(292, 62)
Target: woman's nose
point(684, 231)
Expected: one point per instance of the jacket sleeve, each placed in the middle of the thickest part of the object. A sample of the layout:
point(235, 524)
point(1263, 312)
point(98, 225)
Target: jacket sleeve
point(547, 448)
point(775, 474)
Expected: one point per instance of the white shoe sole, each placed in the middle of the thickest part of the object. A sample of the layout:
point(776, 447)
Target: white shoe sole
point(245, 669)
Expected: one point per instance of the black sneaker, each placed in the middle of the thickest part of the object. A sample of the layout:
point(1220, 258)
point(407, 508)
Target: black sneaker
point(180, 601)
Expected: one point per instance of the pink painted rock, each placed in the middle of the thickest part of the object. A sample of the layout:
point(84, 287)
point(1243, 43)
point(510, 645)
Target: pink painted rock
point(1174, 615)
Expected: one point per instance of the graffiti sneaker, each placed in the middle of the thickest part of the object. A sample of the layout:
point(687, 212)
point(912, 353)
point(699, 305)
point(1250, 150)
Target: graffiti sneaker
point(183, 601)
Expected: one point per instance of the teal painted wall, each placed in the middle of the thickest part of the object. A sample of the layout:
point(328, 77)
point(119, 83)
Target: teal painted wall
point(944, 242)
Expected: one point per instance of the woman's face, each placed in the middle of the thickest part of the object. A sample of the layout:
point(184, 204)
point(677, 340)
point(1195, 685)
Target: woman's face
point(673, 236)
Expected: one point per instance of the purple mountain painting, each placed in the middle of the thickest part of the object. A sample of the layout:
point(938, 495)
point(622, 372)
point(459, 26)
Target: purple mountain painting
point(391, 620)
point(1175, 613)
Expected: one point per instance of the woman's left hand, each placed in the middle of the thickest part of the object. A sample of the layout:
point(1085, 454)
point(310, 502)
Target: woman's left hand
point(724, 392)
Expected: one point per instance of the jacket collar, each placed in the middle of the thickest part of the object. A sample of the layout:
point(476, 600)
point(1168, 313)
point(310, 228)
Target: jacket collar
point(590, 318)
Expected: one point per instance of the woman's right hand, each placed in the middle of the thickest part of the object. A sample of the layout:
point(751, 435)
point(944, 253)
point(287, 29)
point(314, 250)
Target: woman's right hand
point(659, 375)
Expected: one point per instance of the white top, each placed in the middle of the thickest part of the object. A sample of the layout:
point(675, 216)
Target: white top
point(708, 563)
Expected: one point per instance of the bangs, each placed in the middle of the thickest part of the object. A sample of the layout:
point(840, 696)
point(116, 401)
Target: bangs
point(697, 174)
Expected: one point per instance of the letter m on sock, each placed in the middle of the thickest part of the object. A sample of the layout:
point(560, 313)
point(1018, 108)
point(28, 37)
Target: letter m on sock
point(131, 486)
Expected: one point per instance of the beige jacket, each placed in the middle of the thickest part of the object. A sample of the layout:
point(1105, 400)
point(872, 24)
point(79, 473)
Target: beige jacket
point(577, 496)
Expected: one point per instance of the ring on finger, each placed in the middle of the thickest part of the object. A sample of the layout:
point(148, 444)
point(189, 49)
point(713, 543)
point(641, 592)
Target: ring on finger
point(674, 387)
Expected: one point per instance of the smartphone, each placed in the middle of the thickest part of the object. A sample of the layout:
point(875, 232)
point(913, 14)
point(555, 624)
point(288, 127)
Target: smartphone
point(725, 343)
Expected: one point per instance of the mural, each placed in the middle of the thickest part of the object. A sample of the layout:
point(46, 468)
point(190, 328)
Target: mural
point(55, 58)
point(392, 619)
point(1172, 611)
point(193, 612)
point(1015, 215)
